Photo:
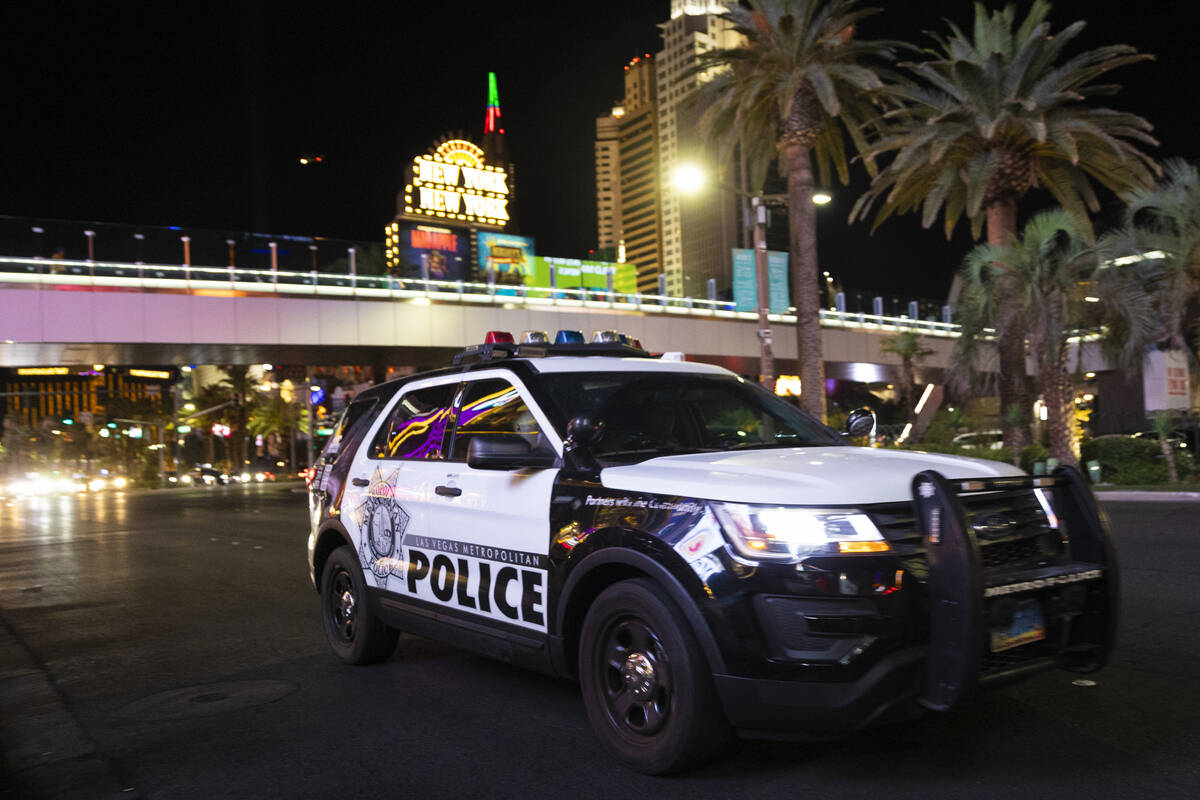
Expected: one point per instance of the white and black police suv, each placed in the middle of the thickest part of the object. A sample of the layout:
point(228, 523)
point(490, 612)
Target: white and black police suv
point(701, 556)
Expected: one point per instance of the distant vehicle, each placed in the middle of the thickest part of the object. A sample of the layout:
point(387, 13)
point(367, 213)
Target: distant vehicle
point(208, 476)
point(980, 440)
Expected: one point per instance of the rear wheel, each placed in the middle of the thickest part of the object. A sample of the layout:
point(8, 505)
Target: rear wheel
point(356, 635)
point(647, 687)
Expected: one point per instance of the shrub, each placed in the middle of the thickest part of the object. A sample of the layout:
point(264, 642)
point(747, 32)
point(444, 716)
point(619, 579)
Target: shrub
point(1127, 461)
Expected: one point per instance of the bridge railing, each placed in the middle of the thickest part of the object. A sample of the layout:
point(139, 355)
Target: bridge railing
point(237, 280)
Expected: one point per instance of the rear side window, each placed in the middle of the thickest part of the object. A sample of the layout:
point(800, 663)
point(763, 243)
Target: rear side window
point(417, 426)
point(350, 428)
point(492, 406)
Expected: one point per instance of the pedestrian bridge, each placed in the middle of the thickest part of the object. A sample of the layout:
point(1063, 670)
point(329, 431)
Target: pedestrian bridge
point(81, 312)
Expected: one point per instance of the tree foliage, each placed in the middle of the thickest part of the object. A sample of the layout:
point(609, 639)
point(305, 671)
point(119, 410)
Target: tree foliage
point(1002, 109)
point(1166, 218)
point(1055, 284)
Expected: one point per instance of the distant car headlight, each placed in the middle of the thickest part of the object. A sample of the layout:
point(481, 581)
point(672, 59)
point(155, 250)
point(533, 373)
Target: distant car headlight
point(119, 483)
point(244, 477)
point(260, 477)
point(786, 533)
point(185, 478)
point(96, 484)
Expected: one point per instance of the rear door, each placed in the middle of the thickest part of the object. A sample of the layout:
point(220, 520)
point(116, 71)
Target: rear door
point(385, 500)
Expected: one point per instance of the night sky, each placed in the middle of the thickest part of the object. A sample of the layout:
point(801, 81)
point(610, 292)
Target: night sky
point(195, 114)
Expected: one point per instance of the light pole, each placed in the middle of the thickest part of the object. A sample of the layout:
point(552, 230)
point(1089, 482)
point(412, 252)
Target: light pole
point(91, 240)
point(766, 356)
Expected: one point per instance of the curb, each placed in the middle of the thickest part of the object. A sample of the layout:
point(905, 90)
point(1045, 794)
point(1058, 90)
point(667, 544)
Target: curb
point(1147, 497)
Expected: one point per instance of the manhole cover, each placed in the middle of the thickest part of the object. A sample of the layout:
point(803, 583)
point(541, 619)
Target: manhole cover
point(206, 700)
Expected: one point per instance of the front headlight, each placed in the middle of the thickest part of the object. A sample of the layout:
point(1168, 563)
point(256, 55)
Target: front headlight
point(788, 533)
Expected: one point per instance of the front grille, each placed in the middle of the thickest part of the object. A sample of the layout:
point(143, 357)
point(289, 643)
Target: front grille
point(1030, 542)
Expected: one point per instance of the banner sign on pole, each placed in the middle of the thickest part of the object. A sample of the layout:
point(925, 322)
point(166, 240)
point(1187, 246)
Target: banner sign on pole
point(745, 281)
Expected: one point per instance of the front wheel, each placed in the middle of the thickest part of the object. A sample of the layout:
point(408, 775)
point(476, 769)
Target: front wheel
point(646, 685)
point(356, 635)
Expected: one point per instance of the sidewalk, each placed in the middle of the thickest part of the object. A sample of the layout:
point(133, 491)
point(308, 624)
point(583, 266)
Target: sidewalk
point(43, 751)
point(1134, 496)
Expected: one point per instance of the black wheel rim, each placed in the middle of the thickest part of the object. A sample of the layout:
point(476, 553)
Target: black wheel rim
point(635, 677)
point(342, 606)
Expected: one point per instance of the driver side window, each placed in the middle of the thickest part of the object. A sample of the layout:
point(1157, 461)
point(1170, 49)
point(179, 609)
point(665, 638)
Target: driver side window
point(492, 406)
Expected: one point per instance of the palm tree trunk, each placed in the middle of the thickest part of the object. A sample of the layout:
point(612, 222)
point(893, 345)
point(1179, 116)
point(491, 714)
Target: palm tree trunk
point(1010, 332)
point(802, 219)
point(906, 388)
point(1059, 413)
point(1169, 456)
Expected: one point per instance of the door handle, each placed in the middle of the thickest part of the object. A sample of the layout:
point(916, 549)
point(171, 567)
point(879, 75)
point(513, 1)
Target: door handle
point(447, 491)
point(361, 482)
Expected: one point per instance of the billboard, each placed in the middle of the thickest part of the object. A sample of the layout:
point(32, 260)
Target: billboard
point(447, 251)
point(1165, 383)
point(745, 281)
point(573, 273)
point(507, 257)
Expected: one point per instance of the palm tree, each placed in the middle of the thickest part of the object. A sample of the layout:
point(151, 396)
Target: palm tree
point(271, 414)
point(1166, 217)
point(907, 347)
point(990, 116)
point(796, 87)
point(1040, 281)
point(237, 384)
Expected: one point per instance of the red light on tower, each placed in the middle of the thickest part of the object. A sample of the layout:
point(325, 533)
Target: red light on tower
point(492, 115)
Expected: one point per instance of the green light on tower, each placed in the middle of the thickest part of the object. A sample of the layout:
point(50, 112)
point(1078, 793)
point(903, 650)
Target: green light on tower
point(491, 120)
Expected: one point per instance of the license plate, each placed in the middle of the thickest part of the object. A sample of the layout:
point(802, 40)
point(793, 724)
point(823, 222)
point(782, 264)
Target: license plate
point(1027, 626)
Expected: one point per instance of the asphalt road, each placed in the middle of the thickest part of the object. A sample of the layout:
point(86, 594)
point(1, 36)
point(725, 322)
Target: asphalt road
point(167, 645)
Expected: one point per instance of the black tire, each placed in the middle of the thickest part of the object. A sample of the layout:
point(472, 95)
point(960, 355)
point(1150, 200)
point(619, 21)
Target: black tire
point(356, 635)
point(646, 685)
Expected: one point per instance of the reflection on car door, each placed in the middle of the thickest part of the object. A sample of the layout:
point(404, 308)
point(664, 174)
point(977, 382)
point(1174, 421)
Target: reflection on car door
point(493, 525)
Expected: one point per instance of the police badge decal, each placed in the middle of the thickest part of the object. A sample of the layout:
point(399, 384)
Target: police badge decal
point(381, 524)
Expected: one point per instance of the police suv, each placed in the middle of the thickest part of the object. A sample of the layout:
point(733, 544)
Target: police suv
point(701, 556)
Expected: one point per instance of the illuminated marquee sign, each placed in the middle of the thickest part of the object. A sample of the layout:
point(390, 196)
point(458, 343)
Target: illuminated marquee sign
point(156, 374)
point(453, 183)
point(42, 370)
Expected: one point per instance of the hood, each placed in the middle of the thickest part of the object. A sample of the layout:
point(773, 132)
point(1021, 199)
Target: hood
point(814, 476)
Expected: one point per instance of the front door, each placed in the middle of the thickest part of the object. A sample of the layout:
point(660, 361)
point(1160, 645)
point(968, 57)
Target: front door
point(493, 529)
point(386, 500)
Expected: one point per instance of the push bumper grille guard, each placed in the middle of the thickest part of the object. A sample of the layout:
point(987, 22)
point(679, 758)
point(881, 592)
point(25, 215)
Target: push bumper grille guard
point(960, 589)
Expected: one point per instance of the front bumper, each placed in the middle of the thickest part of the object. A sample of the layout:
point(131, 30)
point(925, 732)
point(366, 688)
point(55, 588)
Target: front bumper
point(888, 691)
point(972, 611)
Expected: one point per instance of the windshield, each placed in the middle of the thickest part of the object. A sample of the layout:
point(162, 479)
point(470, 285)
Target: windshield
point(650, 414)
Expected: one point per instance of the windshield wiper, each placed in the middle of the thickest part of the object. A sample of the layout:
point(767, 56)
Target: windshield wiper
point(658, 451)
point(764, 445)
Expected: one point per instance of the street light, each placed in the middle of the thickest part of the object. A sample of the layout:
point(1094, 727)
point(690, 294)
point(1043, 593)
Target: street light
point(690, 178)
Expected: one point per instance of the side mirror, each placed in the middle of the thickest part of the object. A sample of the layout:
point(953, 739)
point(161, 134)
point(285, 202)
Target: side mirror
point(582, 432)
point(506, 452)
point(860, 422)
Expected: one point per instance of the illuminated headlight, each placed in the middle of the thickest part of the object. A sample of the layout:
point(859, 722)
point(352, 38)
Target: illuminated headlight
point(244, 477)
point(185, 478)
point(120, 483)
point(96, 484)
point(787, 533)
point(260, 477)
